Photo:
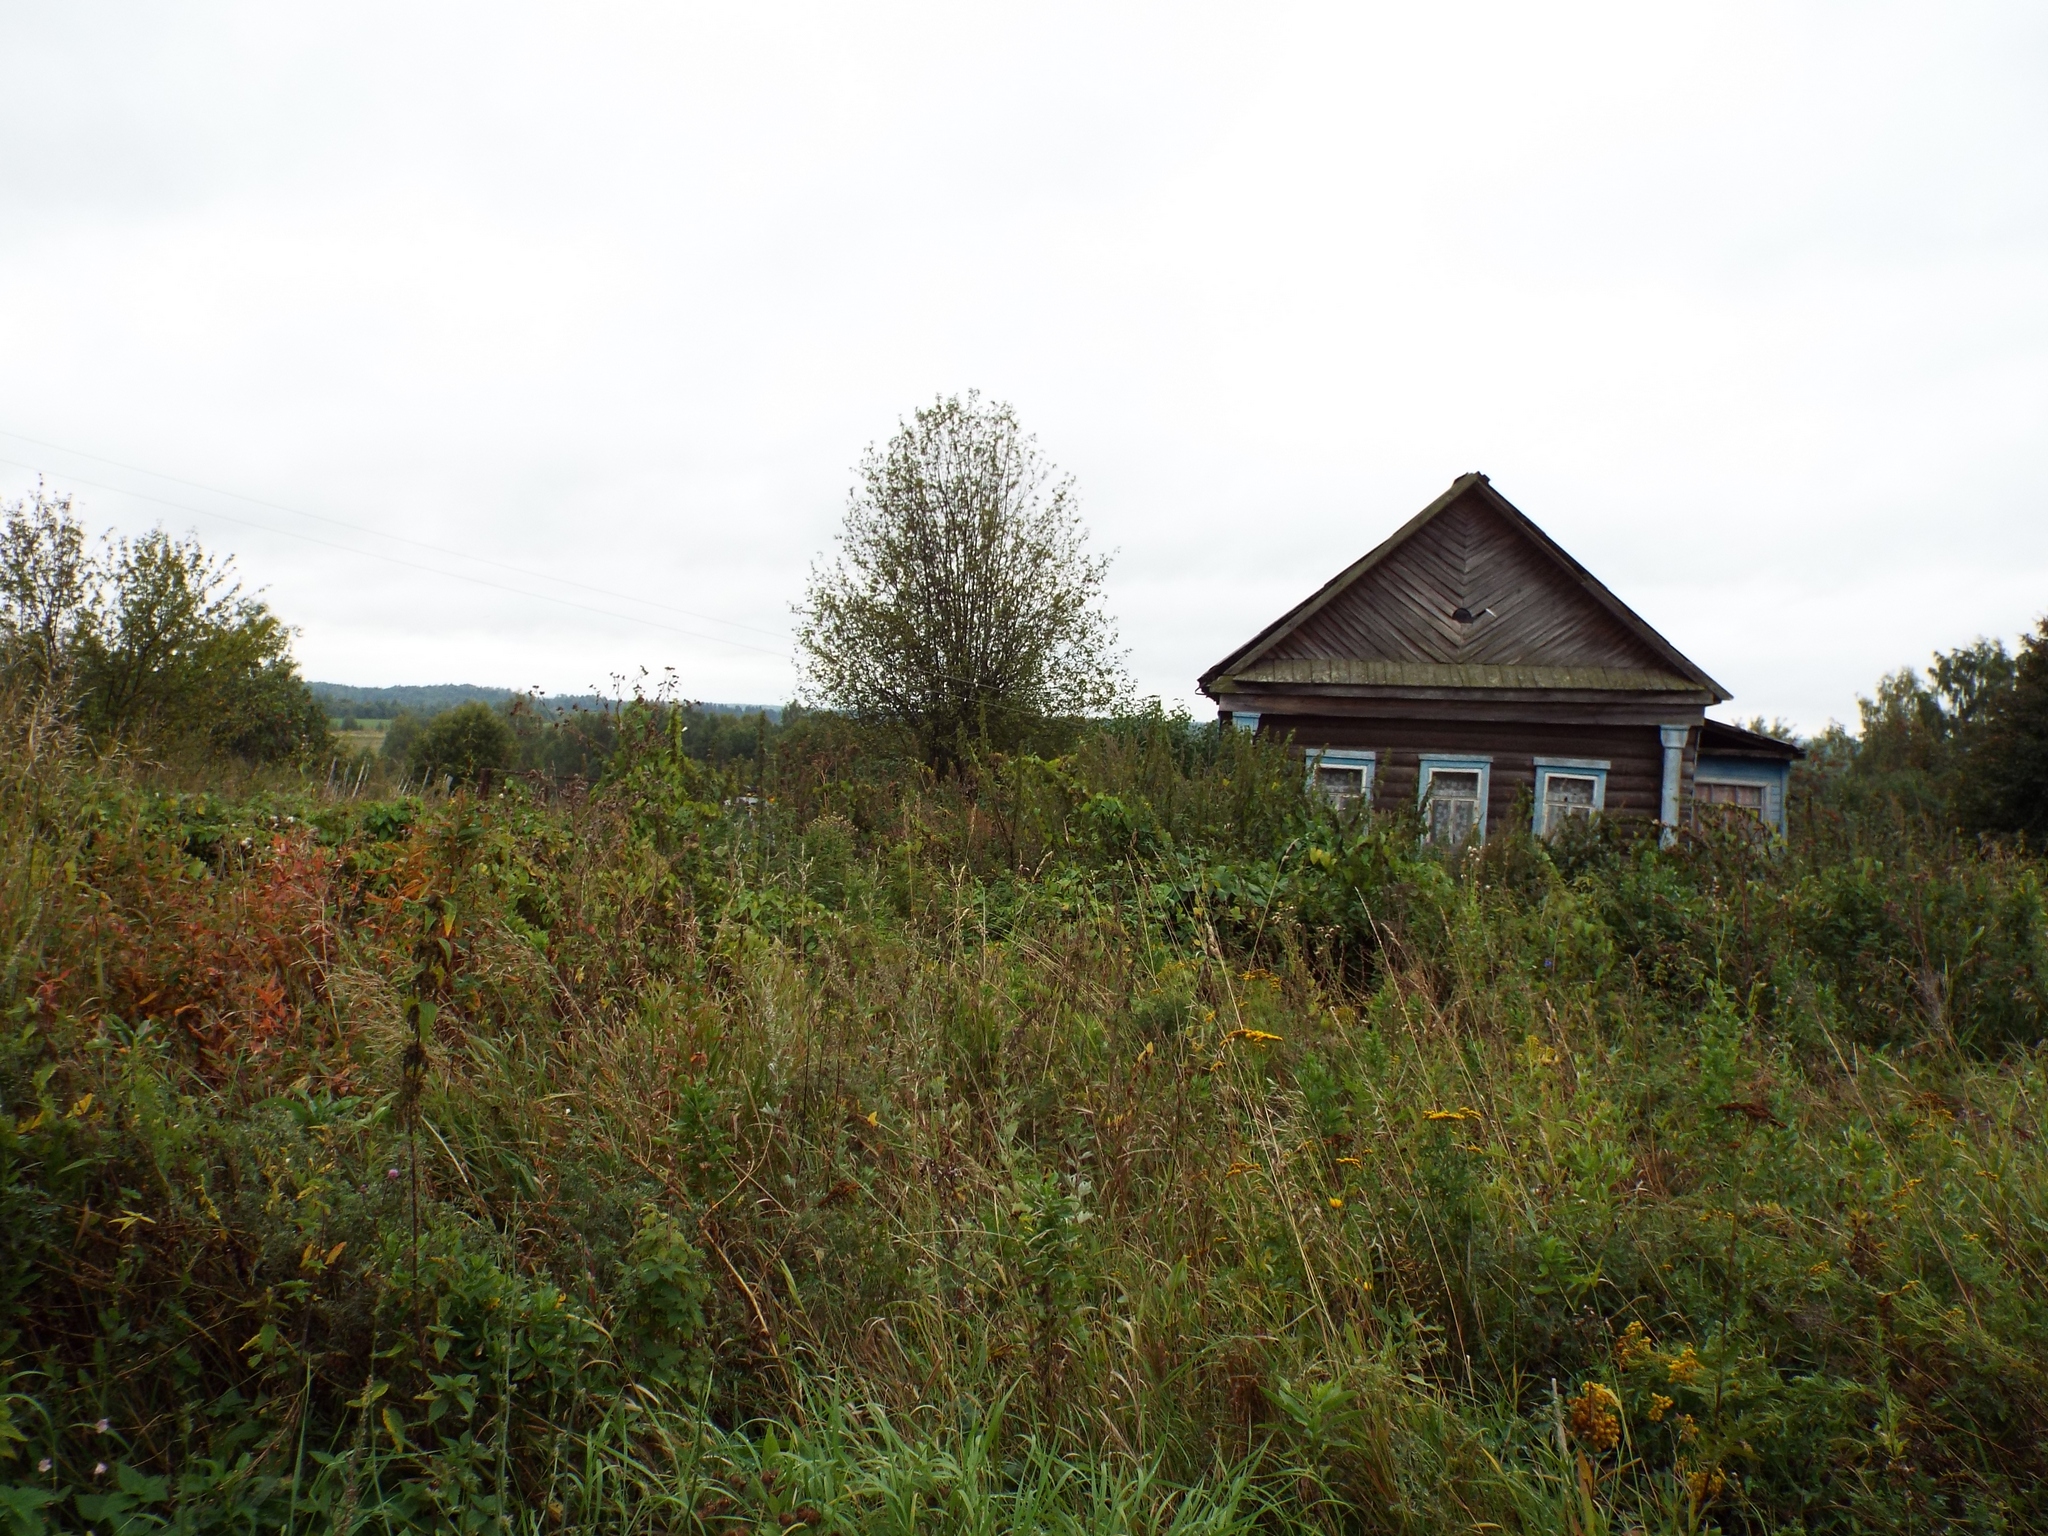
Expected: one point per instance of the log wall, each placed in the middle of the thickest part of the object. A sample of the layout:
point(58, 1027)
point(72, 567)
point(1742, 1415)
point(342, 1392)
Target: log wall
point(1634, 754)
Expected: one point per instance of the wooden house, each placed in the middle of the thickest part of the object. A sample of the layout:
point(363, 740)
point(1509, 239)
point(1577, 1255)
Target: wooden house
point(1469, 662)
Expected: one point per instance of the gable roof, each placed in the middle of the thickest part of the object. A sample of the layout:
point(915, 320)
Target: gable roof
point(1469, 593)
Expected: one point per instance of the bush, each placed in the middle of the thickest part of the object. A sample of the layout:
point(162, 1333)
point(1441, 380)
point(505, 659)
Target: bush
point(399, 735)
point(466, 743)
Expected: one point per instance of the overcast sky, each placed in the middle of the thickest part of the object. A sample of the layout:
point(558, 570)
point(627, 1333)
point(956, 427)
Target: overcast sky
point(1747, 305)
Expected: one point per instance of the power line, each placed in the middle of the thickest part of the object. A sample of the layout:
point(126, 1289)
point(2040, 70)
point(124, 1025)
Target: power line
point(376, 533)
point(541, 597)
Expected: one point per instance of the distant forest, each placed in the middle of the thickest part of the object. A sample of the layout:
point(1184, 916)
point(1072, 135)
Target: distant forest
point(344, 699)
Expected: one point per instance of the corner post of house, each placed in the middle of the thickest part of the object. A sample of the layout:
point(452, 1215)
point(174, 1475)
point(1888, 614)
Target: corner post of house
point(1674, 738)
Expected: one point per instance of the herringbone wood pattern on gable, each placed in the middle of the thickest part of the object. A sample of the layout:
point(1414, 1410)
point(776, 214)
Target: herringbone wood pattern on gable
point(1468, 557)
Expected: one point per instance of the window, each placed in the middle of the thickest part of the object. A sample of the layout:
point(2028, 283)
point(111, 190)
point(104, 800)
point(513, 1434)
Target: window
point(1741, 792)
point(1567, 794)
point(1453, 804)
point(1340, 777)
point(1454, 798)
point(1750, 797)
point(1568, 787)
point(1726, 804)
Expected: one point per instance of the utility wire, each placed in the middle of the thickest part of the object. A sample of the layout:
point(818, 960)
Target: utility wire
point(378, 533)
point(542, 597)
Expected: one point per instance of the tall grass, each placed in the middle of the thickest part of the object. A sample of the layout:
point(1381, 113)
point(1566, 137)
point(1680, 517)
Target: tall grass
point(1110, 1141)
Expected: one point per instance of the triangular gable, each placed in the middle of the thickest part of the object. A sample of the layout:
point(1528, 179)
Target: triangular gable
point(1471, 593)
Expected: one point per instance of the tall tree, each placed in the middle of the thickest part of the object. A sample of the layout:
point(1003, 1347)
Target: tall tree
point(47, 582)
point(2009, 768)
point(1933, 726)
point(962, 601)
point(148, 640)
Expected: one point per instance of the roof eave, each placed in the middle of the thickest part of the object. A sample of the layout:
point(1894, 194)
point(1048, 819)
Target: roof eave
point(1698, 698)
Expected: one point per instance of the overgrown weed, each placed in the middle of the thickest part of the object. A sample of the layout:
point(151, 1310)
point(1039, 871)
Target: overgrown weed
point(1108, 1140)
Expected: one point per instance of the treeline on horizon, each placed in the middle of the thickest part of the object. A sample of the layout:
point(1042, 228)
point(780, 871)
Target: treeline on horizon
point(343, 700)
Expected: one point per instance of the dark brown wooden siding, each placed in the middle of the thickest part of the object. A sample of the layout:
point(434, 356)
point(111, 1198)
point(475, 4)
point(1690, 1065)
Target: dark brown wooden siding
point(1469, 557)
point(1634, 753)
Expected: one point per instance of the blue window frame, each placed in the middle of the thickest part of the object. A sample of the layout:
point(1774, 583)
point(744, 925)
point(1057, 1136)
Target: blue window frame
point(1567, 787)
point(1341, 775)
point(1757, 787)
point(1453, 790)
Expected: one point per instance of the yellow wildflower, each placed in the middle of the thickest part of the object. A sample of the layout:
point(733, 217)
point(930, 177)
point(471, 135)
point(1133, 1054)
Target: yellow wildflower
point(1704, 1484)
point(1633, 1347)
point(1596, 1417)
point(1659, 1406)
point(1462, 1112)
point(1684, 1367)
point(1256, 1036)
point(1336, 1202)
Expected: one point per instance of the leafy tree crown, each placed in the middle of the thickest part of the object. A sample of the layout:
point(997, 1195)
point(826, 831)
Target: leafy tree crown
point(148, 640)
point(464, 743)
point(962, 602)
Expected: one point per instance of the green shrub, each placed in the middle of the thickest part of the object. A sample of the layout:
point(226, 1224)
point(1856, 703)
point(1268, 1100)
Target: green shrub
point(400, 734)
point(150, 642)
point(465, 744)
